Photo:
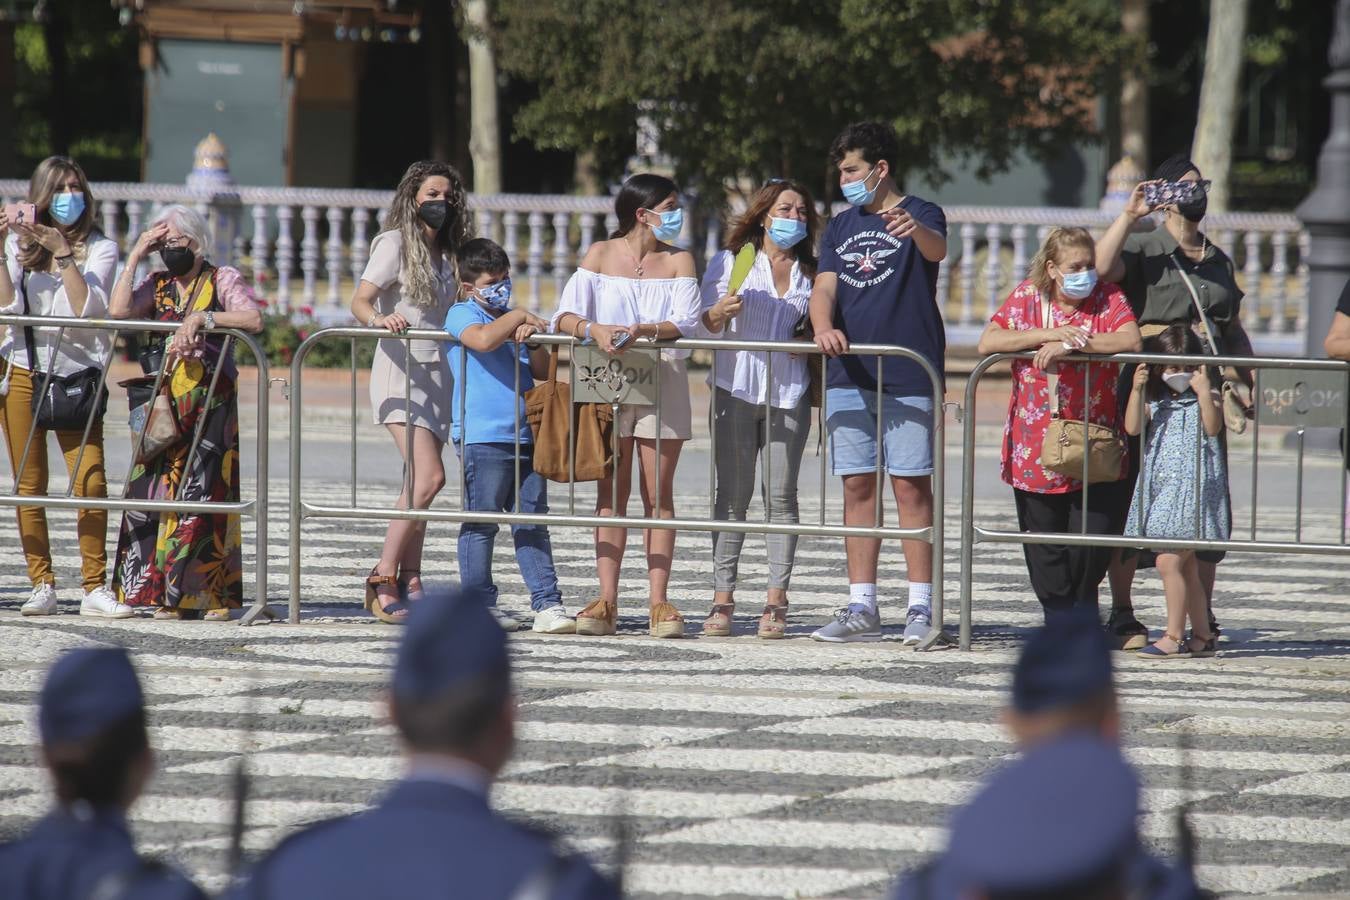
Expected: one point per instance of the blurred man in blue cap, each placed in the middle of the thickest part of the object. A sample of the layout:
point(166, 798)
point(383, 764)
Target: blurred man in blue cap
point(1060, 821)
point(91, 719)
point(434, 835)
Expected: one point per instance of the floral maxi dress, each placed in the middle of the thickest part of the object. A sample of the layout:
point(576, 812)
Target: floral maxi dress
point(189, 561)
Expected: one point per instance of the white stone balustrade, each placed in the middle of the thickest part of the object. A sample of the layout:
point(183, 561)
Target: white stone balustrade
point(546, 235)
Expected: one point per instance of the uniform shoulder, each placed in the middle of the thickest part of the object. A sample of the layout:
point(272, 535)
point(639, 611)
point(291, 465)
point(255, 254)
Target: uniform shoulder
point(299, 843)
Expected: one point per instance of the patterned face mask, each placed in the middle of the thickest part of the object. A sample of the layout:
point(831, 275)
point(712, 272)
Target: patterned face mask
point(497, 295)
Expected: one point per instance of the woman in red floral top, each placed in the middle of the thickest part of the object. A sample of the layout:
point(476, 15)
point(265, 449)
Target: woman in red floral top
point(1059, 310)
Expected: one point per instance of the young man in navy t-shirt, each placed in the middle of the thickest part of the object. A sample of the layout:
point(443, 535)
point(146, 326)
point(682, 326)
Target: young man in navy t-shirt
point(877, 284)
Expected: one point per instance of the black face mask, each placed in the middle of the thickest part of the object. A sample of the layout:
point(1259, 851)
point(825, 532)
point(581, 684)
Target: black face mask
point(434, 213)
point(178, 260)
point(1194, 210)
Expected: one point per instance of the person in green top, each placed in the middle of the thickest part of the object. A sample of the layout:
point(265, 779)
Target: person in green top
point(1154, 268)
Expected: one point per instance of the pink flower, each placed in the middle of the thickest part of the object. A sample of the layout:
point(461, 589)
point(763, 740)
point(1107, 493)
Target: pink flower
point(307, 311)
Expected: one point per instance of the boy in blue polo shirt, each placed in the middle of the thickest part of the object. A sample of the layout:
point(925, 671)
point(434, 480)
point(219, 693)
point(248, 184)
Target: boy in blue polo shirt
point(877, 284)
point(490, 330)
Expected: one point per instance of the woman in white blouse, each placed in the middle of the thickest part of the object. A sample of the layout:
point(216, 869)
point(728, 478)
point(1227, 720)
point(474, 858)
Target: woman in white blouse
point(761, 406)
point(59, 264)
point(636, 284)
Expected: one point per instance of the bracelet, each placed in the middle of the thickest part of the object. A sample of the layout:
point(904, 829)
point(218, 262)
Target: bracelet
point(67, 256)
point(588, 334)
point(370, 323)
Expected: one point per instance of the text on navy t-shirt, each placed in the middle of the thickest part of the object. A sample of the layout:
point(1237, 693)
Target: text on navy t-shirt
point(887, 294)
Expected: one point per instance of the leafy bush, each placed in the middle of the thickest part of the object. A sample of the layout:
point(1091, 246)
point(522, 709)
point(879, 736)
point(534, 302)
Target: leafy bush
point(283, 333)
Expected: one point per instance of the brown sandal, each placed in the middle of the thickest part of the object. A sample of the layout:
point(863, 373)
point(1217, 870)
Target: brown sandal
point(665, 621)
point(718, 623)
point(773, 622)
point(395, 613)
point(598, 619)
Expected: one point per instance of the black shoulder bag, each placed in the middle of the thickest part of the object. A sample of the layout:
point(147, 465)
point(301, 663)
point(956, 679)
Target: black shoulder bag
point(69, 401)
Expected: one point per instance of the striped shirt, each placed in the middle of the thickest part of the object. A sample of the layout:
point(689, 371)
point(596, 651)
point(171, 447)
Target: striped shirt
point(764, 316)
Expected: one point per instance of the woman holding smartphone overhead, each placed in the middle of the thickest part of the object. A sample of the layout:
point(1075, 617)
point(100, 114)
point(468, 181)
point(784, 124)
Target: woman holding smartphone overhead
point(637, 287)
point(1169, 275)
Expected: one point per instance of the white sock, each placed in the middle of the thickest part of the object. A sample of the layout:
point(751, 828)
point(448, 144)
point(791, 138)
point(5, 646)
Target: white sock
point(863, 594)
point(920, 596)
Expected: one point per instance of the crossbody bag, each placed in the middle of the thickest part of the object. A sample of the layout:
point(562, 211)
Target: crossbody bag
point(1234, 413)
point(63, 402)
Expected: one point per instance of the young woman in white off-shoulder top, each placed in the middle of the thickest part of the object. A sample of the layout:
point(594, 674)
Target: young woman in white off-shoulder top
point(635, 283)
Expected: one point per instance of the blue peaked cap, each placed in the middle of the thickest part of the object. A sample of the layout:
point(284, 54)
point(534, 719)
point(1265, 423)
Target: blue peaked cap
point(450, 640)
point(1064, 662)
point(1063, 814)
point(86, 691)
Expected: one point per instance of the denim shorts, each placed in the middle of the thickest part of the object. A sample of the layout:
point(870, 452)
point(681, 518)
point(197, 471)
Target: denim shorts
point(906, 424)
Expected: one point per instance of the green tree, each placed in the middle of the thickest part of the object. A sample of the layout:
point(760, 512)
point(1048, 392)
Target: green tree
point(749, 88)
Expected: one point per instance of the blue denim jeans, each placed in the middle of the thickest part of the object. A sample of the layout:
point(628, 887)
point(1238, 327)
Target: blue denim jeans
point(489, 485)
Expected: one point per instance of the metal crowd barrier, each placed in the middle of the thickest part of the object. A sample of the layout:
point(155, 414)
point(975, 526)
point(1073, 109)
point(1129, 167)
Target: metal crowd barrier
point(301, 509)
point(1318, 400)
point(255, 508)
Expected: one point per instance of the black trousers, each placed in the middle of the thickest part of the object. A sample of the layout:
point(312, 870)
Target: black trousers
point(1065, 577)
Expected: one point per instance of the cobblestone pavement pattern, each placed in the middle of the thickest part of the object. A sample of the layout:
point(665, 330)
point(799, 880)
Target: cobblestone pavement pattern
point(738, 767)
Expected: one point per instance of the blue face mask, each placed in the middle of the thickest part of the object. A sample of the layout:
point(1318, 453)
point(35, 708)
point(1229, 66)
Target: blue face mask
point(672, 223)
point(498, 295)
point(856, 192)
point(67, 208)
point(1078, 285)
point(786, 232)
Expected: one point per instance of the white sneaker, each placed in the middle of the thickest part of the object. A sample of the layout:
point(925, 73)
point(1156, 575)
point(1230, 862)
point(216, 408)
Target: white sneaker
point(554, 620)
point(101, 603)
point(42, 602)
point(505, 619)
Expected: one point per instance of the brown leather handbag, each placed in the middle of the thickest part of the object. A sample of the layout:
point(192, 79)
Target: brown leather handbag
point(554, 419)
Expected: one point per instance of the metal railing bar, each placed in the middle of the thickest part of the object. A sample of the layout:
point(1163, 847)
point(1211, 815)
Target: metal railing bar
point(89, 422)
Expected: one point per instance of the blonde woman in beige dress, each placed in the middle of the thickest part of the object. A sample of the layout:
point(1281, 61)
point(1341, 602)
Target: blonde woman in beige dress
point(410, 282)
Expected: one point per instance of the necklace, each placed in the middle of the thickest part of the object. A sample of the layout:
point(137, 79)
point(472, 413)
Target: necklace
point(637, 261)
point(1190, 251)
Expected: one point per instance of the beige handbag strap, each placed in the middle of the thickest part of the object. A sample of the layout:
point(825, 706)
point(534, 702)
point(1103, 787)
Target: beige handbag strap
point(1047, 318)
point(1195, 300)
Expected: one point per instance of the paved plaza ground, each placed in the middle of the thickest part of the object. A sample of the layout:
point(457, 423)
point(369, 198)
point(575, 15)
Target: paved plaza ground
point(731, 767)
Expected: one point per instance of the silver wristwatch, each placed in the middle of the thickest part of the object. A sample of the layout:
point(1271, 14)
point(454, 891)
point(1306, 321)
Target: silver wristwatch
point(210, 318)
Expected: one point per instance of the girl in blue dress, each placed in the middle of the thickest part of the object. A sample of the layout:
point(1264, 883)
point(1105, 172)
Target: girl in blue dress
point(1183, 483)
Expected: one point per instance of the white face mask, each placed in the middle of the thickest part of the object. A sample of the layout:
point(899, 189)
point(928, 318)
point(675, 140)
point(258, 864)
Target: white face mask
point(1178, 381)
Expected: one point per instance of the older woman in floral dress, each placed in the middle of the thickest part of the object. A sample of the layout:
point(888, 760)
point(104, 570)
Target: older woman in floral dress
point(1060, 309)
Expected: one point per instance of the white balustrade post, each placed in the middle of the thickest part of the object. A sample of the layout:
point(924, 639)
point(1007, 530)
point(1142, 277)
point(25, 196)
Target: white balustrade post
point(1019, 242)
point(510, 234)
point(944, 289)
point(967, 274)
point(285, 251)
point(587, 235)
point(1279, 274)
point(1303, 280)
point(993, 267)
point(714, 241)
point(134, 229)
point(309, 254)
point(562, 249)
point(484, 226)
point(536, 255)
point(611, 225)
point(360, 243)
point(333, 257)
point(108, 211)
point(1251, 274)
point(258, 249)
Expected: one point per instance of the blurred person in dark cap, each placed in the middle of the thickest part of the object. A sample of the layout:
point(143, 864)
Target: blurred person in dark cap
point(434, 834)
point(91, 720)
point(1060, 821)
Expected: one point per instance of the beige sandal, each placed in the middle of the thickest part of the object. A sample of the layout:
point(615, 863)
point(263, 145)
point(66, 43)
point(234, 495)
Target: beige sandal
point(598, 619)
point(220, 614)
point(665, 621)
point(773, 622)
point(167, 612)
point(718, 623)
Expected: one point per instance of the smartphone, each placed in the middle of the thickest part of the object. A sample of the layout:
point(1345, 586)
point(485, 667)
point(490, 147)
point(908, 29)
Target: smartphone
point(20, 213)
point(623, 340)
point(1169, 193)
